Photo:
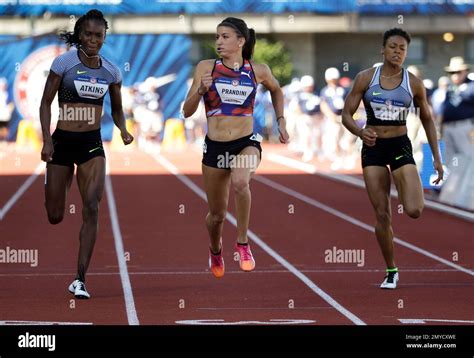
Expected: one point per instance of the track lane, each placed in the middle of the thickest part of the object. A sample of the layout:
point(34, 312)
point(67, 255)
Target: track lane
point(457, 287)
point(174, 244)
point(40, 293)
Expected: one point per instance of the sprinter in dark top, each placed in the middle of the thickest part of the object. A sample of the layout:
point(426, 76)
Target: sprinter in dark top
point(82, 78)
point(389, 92)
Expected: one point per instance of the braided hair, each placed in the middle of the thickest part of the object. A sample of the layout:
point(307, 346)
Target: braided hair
point(72, 38)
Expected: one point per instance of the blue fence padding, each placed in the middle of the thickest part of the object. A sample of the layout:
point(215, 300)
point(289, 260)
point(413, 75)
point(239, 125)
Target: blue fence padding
point(427, 172)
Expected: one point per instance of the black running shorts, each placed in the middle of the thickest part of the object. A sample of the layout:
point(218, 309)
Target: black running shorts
point(395, 152)
point(76, 147)
point(223, 155)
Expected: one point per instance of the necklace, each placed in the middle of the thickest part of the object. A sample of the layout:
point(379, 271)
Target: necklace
point(85, 54)
point(391, 75)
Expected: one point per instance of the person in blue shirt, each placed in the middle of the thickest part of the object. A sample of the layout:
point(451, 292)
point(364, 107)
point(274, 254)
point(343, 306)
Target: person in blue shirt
point(457, 118)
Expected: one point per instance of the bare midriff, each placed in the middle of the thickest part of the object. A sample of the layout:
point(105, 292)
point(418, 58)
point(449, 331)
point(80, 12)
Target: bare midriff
point(227, 128)
point(79, 117)
point(389, 131)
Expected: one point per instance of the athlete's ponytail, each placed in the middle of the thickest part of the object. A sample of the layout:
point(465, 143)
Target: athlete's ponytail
point(72, 38)
point(242, 30)
point(247, 51)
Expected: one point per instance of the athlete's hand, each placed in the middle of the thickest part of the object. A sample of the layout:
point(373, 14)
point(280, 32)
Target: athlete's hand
point(368, 136)
point(47, 151)
point(439, 168)
point(284, 137)
point(206, 83)
point(126, 137)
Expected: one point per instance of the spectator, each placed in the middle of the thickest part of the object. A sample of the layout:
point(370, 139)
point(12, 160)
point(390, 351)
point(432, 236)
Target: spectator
point(6, 109)
point(458, 112)
point(332, 102)
point(439, 95)
point(308, 120)
point(290, 93)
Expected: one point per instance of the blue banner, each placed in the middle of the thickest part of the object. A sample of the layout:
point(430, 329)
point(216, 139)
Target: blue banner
point(117, 7)
point(415, 7)
point(209, 7)
point(161, 62)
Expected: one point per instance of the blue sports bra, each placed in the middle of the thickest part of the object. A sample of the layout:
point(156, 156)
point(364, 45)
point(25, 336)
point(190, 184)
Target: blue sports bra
point(388, 107)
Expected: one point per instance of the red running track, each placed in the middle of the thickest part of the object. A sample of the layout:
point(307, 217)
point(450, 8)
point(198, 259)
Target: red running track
point(160, 220)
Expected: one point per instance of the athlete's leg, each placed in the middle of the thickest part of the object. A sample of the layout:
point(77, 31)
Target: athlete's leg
point(409, 188)
point(90, 179)
point(216, 183)
point(377, 182)
point(57, 183)
point(241, 176)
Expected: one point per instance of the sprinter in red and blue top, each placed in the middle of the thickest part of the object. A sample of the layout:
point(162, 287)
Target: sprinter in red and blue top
point(389, 92)
point(232, 152)
point(232, 92)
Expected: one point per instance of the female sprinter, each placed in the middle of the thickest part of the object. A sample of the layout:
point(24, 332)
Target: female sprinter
point(389, 92)
point(232, 152)
point(82, 78)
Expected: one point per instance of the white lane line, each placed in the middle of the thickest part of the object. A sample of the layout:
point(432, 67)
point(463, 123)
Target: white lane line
point(186, 181)
point(311, 169)
point(221, 322)
point(124, 277)
point(262, 308)
point(424, 320)
point(230, 272)
point(21, 190)
point(42, 323)
point(355, 222)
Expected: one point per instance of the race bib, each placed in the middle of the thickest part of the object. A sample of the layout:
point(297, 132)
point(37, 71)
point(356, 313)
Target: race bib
point(387, 110)
point(90, 87)
point(233, 91)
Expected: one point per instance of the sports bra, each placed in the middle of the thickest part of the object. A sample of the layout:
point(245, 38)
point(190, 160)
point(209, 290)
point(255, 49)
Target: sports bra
point(232, 92)
point(82, 84)
point(388, 107)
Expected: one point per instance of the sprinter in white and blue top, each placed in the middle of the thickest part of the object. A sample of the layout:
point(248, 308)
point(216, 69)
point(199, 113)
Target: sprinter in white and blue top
point(81, 83)
point(388, 107)
point(389, 92)
point(81, 78)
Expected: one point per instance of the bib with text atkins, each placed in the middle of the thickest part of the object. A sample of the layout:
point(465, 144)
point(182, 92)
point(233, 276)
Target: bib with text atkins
point(90, 87)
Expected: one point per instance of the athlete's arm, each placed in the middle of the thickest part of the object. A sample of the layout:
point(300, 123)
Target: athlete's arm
point(117, 112)
point(50, 89)
point(421, 103)
point(351, 104)
point(202, 81)
point(264, 75)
